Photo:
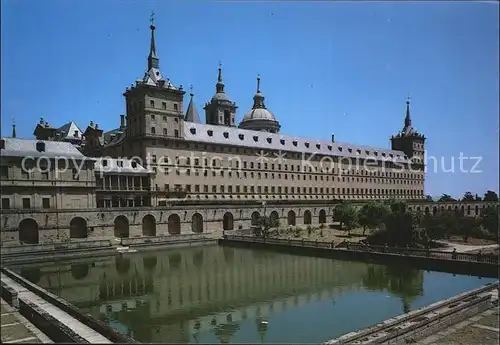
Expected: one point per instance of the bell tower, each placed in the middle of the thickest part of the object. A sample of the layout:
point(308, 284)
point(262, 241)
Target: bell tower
point(220, 111)
point(410, 141)
point(154, 104)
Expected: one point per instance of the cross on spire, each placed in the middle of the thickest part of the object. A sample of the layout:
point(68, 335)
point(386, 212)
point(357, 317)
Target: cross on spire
point(152, 18)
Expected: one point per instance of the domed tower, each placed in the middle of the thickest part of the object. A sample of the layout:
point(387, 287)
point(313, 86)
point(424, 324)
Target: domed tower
point(259, 118)
point(410, 141)
point(220, 111)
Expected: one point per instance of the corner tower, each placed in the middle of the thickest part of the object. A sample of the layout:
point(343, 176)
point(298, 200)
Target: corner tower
point(154, 104)
point(220, 110)
point(408, 140)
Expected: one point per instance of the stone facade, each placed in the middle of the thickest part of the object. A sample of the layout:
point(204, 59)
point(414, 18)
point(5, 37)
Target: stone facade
point(161, 172)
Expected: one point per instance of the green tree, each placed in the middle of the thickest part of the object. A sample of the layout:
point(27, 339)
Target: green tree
point(489, 219)
point(264, 224)
point(490, 196)
point(346, 215)
point(468, 197)
point(468, 226)
point(478, 198)
point(429, 198)
point(372, 214)
point(446, 198)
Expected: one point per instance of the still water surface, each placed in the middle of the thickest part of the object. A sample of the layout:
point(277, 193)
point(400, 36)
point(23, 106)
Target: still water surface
point(218, 294)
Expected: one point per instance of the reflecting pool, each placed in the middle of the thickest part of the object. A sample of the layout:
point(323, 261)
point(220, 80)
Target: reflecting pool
point(218, 294)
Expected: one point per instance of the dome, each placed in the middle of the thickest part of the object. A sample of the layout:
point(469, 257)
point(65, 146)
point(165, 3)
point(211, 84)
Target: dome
point(220, 96)
point(259, 114)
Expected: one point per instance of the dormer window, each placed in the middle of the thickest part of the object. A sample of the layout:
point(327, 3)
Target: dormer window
point(383, 154)
point(226, 135)
point(120, 164)
point(329, 147)
point(192, 130)
point(210, 133)
point(307, 144)
point(367, 152)
point(75, 134)
point(2, 144)
point(255, 138)
point(358, 151)
point(282, 141)
point(269, 140)
point(40, 146)
point(318, 146)
point(134, 164)
point(241, 136)
point(349, 149)
point(294, 143)
point(375, 153)
point(104, 163)
point(391, 155)
point(340, 148)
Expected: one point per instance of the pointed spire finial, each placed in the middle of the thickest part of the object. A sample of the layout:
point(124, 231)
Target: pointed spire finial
point(407, 117)
point(152, 18)
point(13, 127)
point(258, 82)
point(153, 61)
point(219, 78)
point(191, 94)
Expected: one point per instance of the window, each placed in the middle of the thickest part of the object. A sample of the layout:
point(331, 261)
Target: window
point(164, 131)
point(45, 202)
point(164, 106)
point(45, 175)
point(152, 117)
point(5, 203)
point(152, 103)
point(76, 175)
point(4, 171)
point(153, 130)
point(26, 203)
point(176, 107)
point(176, 133)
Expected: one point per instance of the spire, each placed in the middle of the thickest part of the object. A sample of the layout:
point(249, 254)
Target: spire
point(407, 117)
point(220, 84)
point(191, 113)
point(258, 99)
point(153, 60)
point(13, 127)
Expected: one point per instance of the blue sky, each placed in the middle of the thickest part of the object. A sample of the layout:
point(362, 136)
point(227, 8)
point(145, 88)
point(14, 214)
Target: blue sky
point(326, 67)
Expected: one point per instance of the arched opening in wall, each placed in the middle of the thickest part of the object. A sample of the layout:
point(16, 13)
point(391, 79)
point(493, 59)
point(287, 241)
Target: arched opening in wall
point(148, 225)
point(32, 274)
point(78, 228)
point(477, 210)
point(198, 258)
point(442, 208)
point(255, 218)
point(79, 271)
point(427, 210)
point(28, 231)
point(197, 223)
point(174, 224)
point(291, 217)
point(150, 262)
point(122, 264)
point(307, 217)
point(121, 227)
point(322, 216)
point(274, 218)
point(462, 210)
point(449, 208)
point(468, 210)
point(434, 210)
point(456, 208)
point(409, 209)
point(228, 221)
point(418, 209)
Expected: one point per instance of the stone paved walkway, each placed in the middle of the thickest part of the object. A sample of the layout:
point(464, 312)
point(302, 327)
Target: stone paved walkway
point(479, 329)
point(16, 329)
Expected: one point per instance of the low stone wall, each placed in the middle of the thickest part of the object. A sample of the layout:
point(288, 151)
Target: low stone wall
point(327, 249)
point(422, 322)
point(10, 295)
point(57, 331)
point(33, 248)
point(67, 307)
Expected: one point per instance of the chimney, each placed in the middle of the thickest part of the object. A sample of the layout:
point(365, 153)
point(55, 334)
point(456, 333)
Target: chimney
point(96, 126)
point(41, 121)
point(75, 134)
point(333, 138)
point(122, 121)
point(91, 124)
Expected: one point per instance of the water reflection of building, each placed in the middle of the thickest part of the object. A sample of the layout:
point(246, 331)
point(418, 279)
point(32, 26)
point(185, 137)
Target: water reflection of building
point(188, 291)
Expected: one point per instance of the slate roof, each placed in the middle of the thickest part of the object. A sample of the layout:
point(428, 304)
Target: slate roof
point(113, 166)
point(191, 113)
point(270, 141)
point(15, 147)
point(67, 131)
